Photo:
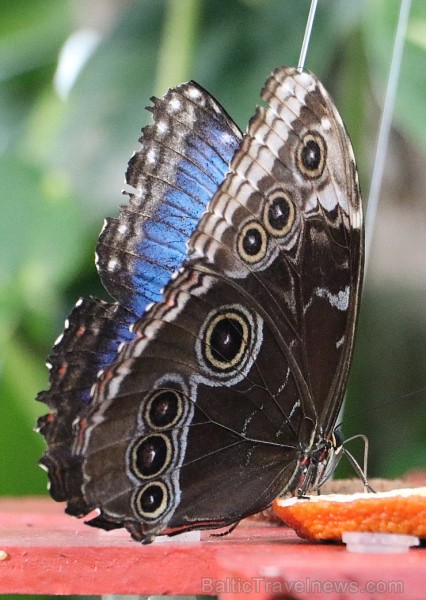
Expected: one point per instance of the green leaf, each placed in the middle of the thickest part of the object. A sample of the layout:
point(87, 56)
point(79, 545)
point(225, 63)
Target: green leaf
point(39, 215)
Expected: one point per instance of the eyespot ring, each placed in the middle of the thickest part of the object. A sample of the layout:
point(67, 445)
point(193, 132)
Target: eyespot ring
point(311, 155)
point(213, 369)
point(151, 501)
point(164, 408)
point(150, 455)
point(226, 339)
point(252, 242)
point(279, 214)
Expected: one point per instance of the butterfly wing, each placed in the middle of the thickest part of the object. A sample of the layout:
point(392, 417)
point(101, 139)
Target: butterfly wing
point(93, 332)
point(243, 363)
point(184, 156)
point(295, 179)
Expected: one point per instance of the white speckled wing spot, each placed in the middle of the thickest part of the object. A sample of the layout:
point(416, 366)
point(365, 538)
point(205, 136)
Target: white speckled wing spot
point(326, 124)
point(339, 301)
point(162, 127)
point(175, 104)
point(194, 93)
point(113, 264)
point(151, 155)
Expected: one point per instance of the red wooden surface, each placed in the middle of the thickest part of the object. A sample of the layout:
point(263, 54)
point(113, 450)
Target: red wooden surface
point(48, 552)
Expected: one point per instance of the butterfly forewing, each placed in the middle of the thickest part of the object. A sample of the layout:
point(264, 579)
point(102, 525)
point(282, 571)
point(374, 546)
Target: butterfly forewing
point(184, 156)
point(288, 221)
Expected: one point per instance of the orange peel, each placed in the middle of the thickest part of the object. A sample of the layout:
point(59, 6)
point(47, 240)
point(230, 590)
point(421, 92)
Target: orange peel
point(327, 517)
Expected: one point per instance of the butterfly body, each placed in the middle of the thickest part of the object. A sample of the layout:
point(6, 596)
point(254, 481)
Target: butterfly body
point(226, 392)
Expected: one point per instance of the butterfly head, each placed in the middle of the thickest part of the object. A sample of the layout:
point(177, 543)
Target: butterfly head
point(318, 462)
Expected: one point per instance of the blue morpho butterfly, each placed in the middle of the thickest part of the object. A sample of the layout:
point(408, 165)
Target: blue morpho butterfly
point(213, 382)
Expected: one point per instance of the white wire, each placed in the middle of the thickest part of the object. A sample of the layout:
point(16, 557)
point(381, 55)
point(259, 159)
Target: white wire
point(385, 126)
point(307, 36)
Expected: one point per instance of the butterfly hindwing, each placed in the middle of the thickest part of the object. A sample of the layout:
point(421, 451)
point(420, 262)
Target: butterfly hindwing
point(184, 156)
point(93, 332)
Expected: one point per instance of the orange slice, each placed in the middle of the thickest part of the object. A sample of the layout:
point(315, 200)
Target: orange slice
point(328, 517)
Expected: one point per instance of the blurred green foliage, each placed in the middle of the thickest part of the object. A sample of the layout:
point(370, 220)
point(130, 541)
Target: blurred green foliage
point(62, 163)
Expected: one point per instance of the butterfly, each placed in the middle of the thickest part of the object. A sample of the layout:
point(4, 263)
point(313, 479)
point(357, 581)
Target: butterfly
point(213, 381)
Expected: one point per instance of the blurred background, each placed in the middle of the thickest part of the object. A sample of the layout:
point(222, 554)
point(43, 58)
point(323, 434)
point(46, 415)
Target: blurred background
point(75, 76)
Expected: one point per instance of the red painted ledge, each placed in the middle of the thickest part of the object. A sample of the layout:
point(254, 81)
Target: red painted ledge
point(44, 551)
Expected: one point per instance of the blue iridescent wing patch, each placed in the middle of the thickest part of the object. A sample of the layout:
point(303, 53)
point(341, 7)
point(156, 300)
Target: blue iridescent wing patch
point(184, 157)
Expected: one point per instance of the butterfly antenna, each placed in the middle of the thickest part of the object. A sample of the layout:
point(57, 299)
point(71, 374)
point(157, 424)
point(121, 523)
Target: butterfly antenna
point(360, 471)
point(385, 124)
point(379, 406)
point(307, 36)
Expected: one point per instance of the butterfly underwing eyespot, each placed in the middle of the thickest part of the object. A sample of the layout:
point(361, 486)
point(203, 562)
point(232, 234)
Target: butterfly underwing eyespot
point(252, 242)
point(150, 502)
point(150, 456)
point(212, 381)
point(279, 214)
point(227, 337)
point(312, 155)
point(228, 342)
point(163, 409)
